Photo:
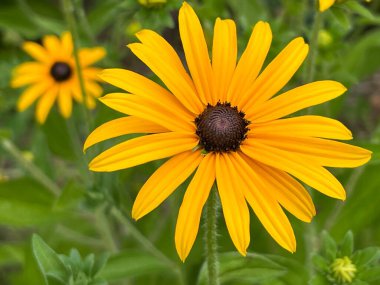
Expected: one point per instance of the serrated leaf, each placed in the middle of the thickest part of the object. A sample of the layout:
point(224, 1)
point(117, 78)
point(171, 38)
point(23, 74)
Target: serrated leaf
point(47, 259)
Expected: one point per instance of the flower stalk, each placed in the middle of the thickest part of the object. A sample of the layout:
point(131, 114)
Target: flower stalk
point(211, 239)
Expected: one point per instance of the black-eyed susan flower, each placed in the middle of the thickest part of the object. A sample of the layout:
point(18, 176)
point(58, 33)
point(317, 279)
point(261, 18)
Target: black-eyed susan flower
point(325, 4)
point(223, 122)
point(53, 76)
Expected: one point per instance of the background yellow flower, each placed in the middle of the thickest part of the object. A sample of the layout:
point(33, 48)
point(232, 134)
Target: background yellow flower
point(53, 76)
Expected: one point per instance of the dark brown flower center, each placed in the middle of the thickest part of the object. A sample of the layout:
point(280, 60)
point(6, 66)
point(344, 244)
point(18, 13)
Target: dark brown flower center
point(221, 128)
point(60, 71)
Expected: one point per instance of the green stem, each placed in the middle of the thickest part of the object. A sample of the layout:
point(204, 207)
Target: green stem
point(69, 11)
point(310, 69)
point(211, 239)
point(147, 244)
point(30, 167)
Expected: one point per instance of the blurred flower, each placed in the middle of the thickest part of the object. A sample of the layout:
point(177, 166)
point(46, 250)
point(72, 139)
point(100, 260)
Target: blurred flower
point(53, 76)
point(151, 3)
point(224, 123)
point(133, 28)
point(325, 38)
point(325, 4)
point(28, 155)
point(339, 264)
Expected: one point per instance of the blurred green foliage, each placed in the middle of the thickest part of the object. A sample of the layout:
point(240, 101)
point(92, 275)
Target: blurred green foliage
point(45, 186)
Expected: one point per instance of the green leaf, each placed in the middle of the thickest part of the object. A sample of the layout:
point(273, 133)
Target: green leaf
point(318, 280)
point(48, 261)
point(99, 263)
point(341, 16)
point(363, 257)
point(370, 274)
point(253, 268)
point(25, 202)
point(347, 245)
point(356, 7)
point(320, 263)
point(131, 263)
point(329, 248)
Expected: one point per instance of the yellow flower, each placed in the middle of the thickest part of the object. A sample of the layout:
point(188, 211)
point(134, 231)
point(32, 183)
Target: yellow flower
point(53, 76)
point(223, 123)
point(325, 4)
point(151, 3)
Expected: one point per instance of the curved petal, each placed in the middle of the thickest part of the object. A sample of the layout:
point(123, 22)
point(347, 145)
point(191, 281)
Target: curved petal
point(296, 99)
point(119, 127)
point(45, 103)
point(140, 85)
point(265, 206)
point(235, 210)
point(93, 88)
point(92, 73)
point(324, 152)
point(303, 126)
point(143, 107)
point(88, 56)
point(303, 168)
point(191, 208)
point(275, 75)
point(196, 52)
point(143, 149)
point(224, 54)
point(285, 189)
point(172, 76)
point(251, 62)
point(32, 93)
point(36, 51)
point(164, 181)
point(65, 102)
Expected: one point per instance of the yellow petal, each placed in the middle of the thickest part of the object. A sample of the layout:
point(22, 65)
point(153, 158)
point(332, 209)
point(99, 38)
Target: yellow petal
point(53, 46)
point(36, 51)
point(297, 99)
point(140, 85)
point(65, 103)
point(93, 88)
point(31, 67)
point(325, 4)
point(304, 126)
point(172, 76)
point(121, 126)
point(321, 151)
point(224, 53)
point(235, 210)
point(92, 73)
point(67, 43)
point(285, 189)
point(20, 80)
point(164, 181)
point(45, 103)
point(32, 93)
point(143, 107)
point(88, 56)
point(275, 75)
point(191, 208)
point(297, 165)
point(143, 149)
point(266, 208)
point(196, 52)
point(250, 62)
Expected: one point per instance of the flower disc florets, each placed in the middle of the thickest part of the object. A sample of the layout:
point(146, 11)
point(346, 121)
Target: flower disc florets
point(60, 71)
point(221, 128)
